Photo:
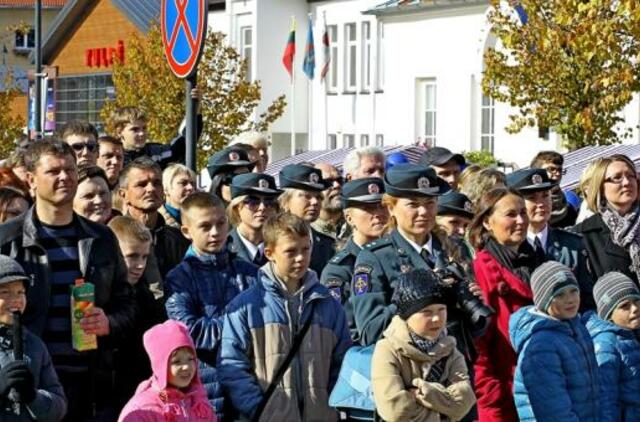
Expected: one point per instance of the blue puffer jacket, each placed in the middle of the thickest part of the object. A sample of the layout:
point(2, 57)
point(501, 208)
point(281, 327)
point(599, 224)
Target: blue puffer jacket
point(618, 356)
point(556, 376)
point(198, 292)
point(257, 335)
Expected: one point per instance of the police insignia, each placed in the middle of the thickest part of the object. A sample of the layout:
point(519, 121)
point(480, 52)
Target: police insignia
point(263, 183)
point(234, 156)
point(405, 268)
point(468, 207)
point(314, 178)
point(336, 293)
point(373, 189)
point(423, 183)
point(362, 280)
point(536, 179)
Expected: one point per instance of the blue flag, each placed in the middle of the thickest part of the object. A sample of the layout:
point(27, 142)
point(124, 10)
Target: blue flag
point(309, 64)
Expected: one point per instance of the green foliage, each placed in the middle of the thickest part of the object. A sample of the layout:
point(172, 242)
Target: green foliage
point(10, 124)
point(572, 67)
point(482, 158)
point(227, 100)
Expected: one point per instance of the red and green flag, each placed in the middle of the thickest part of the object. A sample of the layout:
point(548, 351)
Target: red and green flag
point(290, 49)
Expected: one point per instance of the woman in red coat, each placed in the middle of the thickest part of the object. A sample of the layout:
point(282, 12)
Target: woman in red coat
point(502, 268)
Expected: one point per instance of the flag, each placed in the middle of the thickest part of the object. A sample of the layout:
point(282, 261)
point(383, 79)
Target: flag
point(309, 65)
point(290, 49)
point(522, 14)
point(327, 51)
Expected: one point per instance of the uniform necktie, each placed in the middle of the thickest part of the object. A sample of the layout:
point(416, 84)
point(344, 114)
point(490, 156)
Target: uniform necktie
point(427, 257)
point(259, 258)
point(541, 255)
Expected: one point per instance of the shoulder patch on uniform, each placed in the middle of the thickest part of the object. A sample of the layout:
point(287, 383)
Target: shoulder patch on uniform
point(332, 282)
point(362, 279)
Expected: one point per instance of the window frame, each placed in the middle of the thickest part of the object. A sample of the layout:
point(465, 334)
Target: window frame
point(334, 65)
point(351, 57)
point(487, 138)
point(365, 68)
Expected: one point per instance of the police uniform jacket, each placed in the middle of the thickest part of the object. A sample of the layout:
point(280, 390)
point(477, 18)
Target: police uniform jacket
point(237, 247)
point(322, 250)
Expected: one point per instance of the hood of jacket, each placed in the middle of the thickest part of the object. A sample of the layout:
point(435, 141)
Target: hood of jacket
point(528, 320)
point(159, 342)
point(397, 333)
point(598, 326)
point(310, 289)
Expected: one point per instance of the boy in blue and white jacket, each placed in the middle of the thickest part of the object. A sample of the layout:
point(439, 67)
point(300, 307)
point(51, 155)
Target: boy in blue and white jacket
point(262, 322)
point(614, 330)
point(556, 376)
point(199, 289)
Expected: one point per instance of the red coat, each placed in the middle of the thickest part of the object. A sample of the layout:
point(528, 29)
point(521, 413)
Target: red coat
point(496, 362)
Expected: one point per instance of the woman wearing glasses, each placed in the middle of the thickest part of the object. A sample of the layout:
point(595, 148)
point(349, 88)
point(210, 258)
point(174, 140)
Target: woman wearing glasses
point(254, 198)
point(612, 235)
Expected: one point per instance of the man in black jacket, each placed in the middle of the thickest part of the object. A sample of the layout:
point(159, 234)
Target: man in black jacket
point(57, 247)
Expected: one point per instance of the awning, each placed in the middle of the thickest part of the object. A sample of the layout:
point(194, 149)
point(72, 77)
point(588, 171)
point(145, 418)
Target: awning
point(576, 161)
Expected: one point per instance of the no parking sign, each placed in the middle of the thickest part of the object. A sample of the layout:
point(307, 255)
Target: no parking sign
point(184, 27)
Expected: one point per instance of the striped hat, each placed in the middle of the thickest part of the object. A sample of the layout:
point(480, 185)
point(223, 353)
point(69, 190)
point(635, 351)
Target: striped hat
point(611, 289)
point(549, 280)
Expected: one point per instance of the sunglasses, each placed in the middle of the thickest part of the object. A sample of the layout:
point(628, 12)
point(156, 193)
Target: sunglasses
point(79, 146)
point(254, 202)
point(339, 180)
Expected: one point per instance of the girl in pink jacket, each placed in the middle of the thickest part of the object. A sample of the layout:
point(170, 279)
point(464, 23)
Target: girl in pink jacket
point(174, 392)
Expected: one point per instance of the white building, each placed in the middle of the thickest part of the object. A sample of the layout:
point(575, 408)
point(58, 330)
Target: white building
point(401, 72)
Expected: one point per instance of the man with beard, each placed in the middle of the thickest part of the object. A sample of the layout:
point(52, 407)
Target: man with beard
point(331, 221)
point(141, 191)
point(57, 247)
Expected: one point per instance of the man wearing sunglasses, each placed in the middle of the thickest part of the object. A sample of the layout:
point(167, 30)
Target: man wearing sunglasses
point(331, 220)
point(82, 137)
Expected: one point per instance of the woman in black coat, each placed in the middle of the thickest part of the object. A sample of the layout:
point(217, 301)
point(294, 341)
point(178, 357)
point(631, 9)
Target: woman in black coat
point(612, 235)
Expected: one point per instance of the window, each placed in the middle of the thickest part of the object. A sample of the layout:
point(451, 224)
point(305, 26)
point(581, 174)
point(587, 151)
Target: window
point(82, 98)
point(487, 132)
point(380, 58)
point(364, 140)
point(348, 141)
point(246, 44)
point(334, 65)
point(427, 117)
point(379, 140)
point(351, 57)
point(25, 41)
point(366, 56)
point(332, 141)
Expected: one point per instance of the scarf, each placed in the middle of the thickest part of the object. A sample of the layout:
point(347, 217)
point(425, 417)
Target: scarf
point(426, 346)
point(521, 263)
point(559, 206)
point(625, 232)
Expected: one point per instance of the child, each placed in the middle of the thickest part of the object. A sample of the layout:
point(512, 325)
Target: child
point(200, 287)
point(174, 392)
point(131, 364)
point(614, 330)
point(32, 378)
point(556, 376)
point(417, 373)
point(287, 313)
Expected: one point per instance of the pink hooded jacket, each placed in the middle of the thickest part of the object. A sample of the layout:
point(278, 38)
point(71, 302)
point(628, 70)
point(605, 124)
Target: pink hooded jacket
point(154, 400)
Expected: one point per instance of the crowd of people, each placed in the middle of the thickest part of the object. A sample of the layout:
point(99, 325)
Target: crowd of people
point(384, 290)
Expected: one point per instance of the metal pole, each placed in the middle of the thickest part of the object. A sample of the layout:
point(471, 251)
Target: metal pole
point(191, 123)
point(38, 75)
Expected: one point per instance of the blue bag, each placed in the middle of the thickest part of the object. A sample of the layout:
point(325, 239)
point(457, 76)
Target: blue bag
point(352, 393)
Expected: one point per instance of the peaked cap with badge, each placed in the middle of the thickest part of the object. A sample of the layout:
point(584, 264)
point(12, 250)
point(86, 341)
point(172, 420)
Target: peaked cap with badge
point(303, 177)
point(455, 203)
point(413, 180)
point(254, 184)
point(529, 180)
point(368, 190)
point(228, 159)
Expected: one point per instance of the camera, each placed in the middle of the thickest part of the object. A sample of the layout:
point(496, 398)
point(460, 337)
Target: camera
point(455, 278)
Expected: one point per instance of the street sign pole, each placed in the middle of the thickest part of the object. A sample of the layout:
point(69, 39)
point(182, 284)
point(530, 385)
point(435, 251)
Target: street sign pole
point(38, 81)
point(191, 129)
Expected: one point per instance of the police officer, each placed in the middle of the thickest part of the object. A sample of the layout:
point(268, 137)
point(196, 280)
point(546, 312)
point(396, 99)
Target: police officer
point(302, 196)
point(254, 198)
point(455, 212)
point(365, 215)
point(411, 198)
point(223, 166)
point(551, 243)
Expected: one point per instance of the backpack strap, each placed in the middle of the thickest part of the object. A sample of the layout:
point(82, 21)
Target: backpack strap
point(297, 342)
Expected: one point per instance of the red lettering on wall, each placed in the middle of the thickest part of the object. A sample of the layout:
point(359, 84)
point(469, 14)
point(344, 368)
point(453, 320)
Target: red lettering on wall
point(104, 56)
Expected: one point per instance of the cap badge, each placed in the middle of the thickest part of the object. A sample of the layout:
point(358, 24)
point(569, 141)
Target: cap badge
point(468, 207)
point(536, 179)
point(263, 183)
point(314, 178)
point(373, 189)
point(423, 183)
point(234, 156)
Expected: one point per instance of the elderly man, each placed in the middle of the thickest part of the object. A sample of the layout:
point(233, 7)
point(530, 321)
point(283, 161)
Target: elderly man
point(364, 162)
point(331, 220)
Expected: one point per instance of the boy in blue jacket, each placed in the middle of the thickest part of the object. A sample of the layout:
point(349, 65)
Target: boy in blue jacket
point(200, 287)
point(556, 376)
point(614, 330)
point(260, 327)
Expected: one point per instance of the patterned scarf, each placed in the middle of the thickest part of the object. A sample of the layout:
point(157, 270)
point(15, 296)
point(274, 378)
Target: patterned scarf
point(426, 346)
point(625, 232)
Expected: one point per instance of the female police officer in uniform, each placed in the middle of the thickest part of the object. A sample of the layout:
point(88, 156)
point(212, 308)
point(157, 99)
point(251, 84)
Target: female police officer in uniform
point(367, 219)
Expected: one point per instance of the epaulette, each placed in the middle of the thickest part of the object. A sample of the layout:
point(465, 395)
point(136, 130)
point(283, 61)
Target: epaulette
point(377, 244)
point(339, 257)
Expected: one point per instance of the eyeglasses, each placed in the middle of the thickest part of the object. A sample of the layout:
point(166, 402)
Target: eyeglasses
point(619, 178)
point(330, 181)
point(79, 146)
point(254, 202)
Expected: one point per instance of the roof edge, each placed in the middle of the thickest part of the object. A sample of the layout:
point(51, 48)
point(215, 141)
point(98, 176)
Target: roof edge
point(436, 5)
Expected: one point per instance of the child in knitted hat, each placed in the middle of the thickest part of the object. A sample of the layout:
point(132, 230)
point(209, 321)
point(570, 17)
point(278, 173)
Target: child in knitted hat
point(556, 376)
point(417, 352)
point(614, 331)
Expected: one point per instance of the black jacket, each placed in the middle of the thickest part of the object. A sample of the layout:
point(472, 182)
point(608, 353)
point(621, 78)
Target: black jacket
point(604, 255)
point(101, 263)
point(322, 250)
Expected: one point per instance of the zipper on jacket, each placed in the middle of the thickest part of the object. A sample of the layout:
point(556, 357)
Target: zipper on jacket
point(586, 356)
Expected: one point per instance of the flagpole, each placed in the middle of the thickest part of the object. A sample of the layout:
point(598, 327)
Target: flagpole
point(309, 95)
point(326, 97)
point(293, 99)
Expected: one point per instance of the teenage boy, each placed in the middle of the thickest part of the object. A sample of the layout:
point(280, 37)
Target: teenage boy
point(447, 165)
point(110, 159)
point(200, 288)
point(288, 313)
point(82, 137)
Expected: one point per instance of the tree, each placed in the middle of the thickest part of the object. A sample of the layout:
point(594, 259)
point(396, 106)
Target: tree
point(228, 100)
point(572, 66)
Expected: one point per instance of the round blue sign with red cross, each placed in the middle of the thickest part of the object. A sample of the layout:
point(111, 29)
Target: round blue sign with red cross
point(184, 27)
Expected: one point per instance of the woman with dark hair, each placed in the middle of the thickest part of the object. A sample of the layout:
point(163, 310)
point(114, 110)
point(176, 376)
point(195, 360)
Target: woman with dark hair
point(223, 166)
point(93, 197)
point(503, 265)
point(13, 202)
point(9, 178)
point(612, 235)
